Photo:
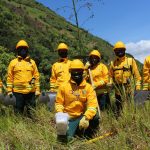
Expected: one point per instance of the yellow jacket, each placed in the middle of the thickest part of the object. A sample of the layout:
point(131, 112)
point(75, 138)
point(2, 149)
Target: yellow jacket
point(60, 74)
point(146, 74)
point(20, 74)
point(76, 100)
point(124, 70)
point(100, 77)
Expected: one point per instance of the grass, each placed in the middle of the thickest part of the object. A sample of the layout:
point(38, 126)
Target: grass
point(131, 131)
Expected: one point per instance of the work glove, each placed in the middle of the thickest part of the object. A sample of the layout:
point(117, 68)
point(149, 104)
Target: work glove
point(10, 94)
point(98, 84)
point(87, 65)
point(109, 85)
point(84, 123)
point(94, 86)
point(37, 93)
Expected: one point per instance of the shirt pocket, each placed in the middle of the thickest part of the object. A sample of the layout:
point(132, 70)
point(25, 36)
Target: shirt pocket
point(83, 99)
point(29, 69)
point(59, 73)
point(17, 69)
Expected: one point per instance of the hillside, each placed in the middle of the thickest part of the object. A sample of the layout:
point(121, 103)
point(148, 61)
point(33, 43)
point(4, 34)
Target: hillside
point(43, 29)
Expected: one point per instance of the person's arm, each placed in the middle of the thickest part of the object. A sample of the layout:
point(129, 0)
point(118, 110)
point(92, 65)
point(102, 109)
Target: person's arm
point(10, 76)
point(36, 75)
point(91, 104)
point(53, 79)
point(59, 103)
point(111, 74)
point(136, 76)
point(146, 74)
point(104, 79)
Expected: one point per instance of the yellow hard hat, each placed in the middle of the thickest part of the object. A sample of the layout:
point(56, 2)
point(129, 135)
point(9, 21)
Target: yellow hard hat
point(76, 64)
point(119, 45)
point(95, 53)
point(22, 43)
point(62, 46)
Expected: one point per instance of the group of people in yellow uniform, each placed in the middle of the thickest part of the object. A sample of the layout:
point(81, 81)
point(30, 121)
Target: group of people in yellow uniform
point(79, 98)
point(80, 88)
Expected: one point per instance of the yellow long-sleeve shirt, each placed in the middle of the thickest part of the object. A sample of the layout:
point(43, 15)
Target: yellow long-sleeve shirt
point(20, 73)
point(76, 100)
point(59, 74)
point(100, 77)
point(146, 74)
point(124, 70)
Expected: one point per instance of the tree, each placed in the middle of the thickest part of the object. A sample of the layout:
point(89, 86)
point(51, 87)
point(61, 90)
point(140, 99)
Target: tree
point(5, 59)
point(86, 4)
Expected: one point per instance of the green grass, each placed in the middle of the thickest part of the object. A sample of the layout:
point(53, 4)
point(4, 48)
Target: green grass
point(131, 131)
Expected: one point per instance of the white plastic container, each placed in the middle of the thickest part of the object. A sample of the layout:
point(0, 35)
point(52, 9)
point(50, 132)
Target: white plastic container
point(61, 123)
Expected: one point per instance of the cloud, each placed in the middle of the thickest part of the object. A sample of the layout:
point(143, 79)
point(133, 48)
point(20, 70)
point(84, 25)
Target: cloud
point(139, 49)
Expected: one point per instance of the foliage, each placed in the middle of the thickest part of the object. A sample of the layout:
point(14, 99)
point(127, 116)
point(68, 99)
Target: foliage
point(5, 58)
point(43, 29)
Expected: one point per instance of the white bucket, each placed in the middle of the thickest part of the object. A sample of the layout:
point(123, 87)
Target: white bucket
point(61, 123)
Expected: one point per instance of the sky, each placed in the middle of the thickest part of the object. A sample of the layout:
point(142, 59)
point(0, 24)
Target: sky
point(114, 20)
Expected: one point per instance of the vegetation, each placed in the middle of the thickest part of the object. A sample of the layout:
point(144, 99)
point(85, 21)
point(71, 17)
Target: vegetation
point(43, 29)
point(131, 131)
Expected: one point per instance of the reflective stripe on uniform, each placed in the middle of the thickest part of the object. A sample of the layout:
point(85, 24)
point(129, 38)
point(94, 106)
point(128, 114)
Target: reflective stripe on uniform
point(145, 86)
point(22, 87)
point(100, 91)
point(92, 108)
point(37, 84)
point(59, 107)
point(52, 85)
point(102, 82)
point(9, 85)
point(138, 83)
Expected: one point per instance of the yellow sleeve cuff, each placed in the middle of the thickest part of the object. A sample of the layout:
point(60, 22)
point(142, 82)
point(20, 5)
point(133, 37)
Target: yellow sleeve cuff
point(59, 108)
point(138, 87)
point(90, 113)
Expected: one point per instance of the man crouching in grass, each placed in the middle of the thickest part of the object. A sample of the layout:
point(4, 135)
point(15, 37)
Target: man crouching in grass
point(78, 99)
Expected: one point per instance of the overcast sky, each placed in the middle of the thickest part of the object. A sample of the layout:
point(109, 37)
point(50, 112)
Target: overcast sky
point(113, 20)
